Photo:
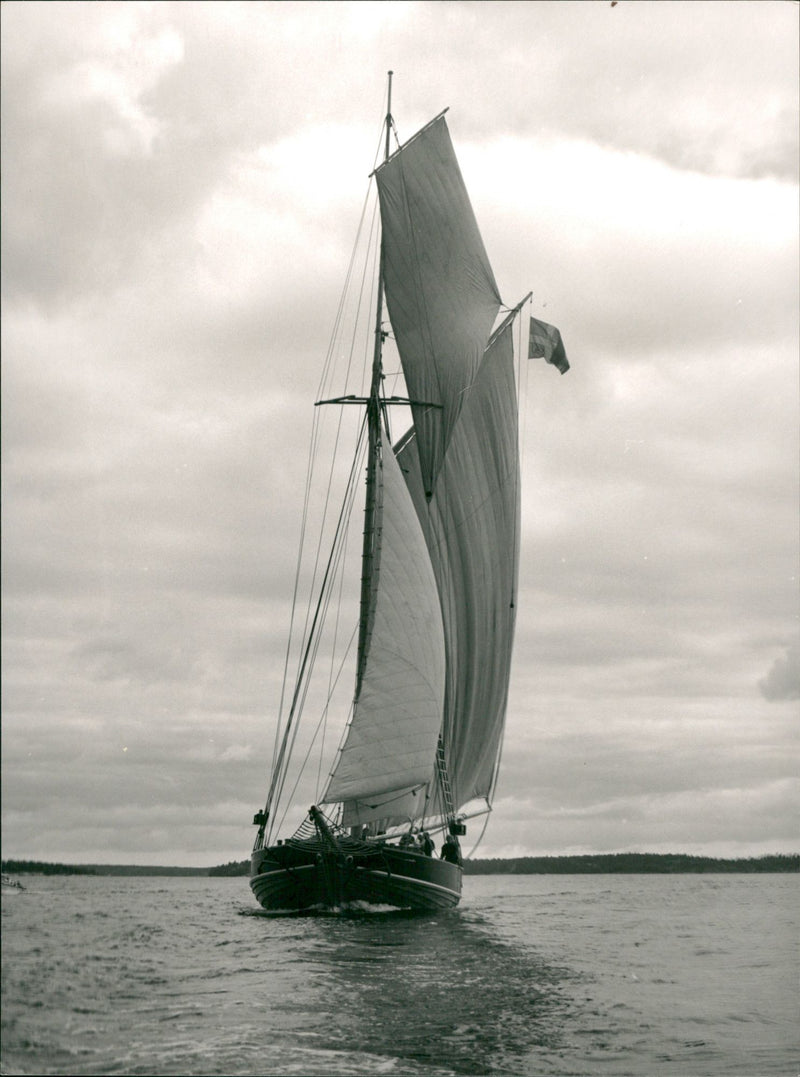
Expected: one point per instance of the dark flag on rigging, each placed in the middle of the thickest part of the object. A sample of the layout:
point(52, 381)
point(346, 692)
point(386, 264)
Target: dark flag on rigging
point(545, 343)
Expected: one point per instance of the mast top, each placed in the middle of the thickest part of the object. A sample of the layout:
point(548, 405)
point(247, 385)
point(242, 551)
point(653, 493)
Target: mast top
point(388, 118)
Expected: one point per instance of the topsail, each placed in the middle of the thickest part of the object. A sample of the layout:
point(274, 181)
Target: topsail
point(440, 289)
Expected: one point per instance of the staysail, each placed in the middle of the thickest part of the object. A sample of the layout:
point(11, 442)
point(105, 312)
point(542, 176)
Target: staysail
point(391, 741)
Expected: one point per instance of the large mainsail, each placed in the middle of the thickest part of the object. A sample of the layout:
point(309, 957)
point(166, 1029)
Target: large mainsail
point(471, 526)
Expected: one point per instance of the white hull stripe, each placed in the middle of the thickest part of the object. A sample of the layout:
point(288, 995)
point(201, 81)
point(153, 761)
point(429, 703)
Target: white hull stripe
point(411, 879)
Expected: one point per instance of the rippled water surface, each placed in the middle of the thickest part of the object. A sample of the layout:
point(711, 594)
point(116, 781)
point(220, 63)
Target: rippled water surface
point(531, 975)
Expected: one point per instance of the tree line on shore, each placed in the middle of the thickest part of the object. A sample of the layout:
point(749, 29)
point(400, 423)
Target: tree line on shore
point(601, 864)
point(39, 867)
point(630, 863)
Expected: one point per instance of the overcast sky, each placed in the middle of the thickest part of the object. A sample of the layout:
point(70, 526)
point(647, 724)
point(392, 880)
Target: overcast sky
point(182, 184)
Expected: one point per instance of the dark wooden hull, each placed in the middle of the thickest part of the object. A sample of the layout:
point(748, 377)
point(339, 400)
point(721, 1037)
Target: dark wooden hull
point(303, 875)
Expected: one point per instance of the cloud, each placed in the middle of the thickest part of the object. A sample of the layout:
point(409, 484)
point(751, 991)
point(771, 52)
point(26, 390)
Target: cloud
point(113, 114)
point(783, 679)
point(178, 216)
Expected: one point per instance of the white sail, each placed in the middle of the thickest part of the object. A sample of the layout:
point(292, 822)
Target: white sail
point(472, 526)
point(461, 459)
point(391, 742)
point(440, 289)
point(439, 564)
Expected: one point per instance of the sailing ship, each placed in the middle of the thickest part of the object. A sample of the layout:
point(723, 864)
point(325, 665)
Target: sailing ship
point(439, 565)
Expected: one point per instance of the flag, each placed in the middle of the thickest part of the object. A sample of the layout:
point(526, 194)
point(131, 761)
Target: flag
point(545, 343)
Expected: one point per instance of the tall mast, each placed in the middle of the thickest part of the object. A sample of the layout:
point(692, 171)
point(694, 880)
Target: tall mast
point(370, 552)
point(378, 349)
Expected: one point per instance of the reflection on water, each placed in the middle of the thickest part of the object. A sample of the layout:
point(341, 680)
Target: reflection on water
point(436, 990)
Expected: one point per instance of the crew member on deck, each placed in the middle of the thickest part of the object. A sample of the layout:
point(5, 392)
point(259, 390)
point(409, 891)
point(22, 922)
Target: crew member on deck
point(450, 851)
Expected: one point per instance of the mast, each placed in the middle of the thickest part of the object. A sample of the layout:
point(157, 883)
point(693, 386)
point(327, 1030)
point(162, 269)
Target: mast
point(369, 563)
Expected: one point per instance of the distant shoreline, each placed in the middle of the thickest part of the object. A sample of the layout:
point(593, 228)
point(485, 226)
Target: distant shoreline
point(600, 864)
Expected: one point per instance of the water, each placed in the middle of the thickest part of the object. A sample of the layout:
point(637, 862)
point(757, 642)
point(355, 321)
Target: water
point(531, 975)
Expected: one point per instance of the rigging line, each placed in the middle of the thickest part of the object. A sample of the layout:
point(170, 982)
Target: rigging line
point(369, 341)
point(327, 501)
point(301, 688)
point(345, 292)
point(293, 610)
point(306, 686)
point(524, 379)
point(332, 685)
point(315, 734)
point(310, 639)
point(313, 449)
point(346, 729)
point(327, 378)
point(386, 117)
point(343, 735)
point(335, 335)
point(370, 246)
point(340, 418)
point(480, 836)
point(517, 488)
point(296, 587)
point(369, 273)
point(326, 374)
point(396, 133)
point(309, 471)
point(279, 821)
point(497, 762)
point(333, 678)
point(415, 136)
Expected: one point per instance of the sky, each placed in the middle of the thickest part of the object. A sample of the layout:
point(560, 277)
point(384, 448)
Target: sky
point(182, 186)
